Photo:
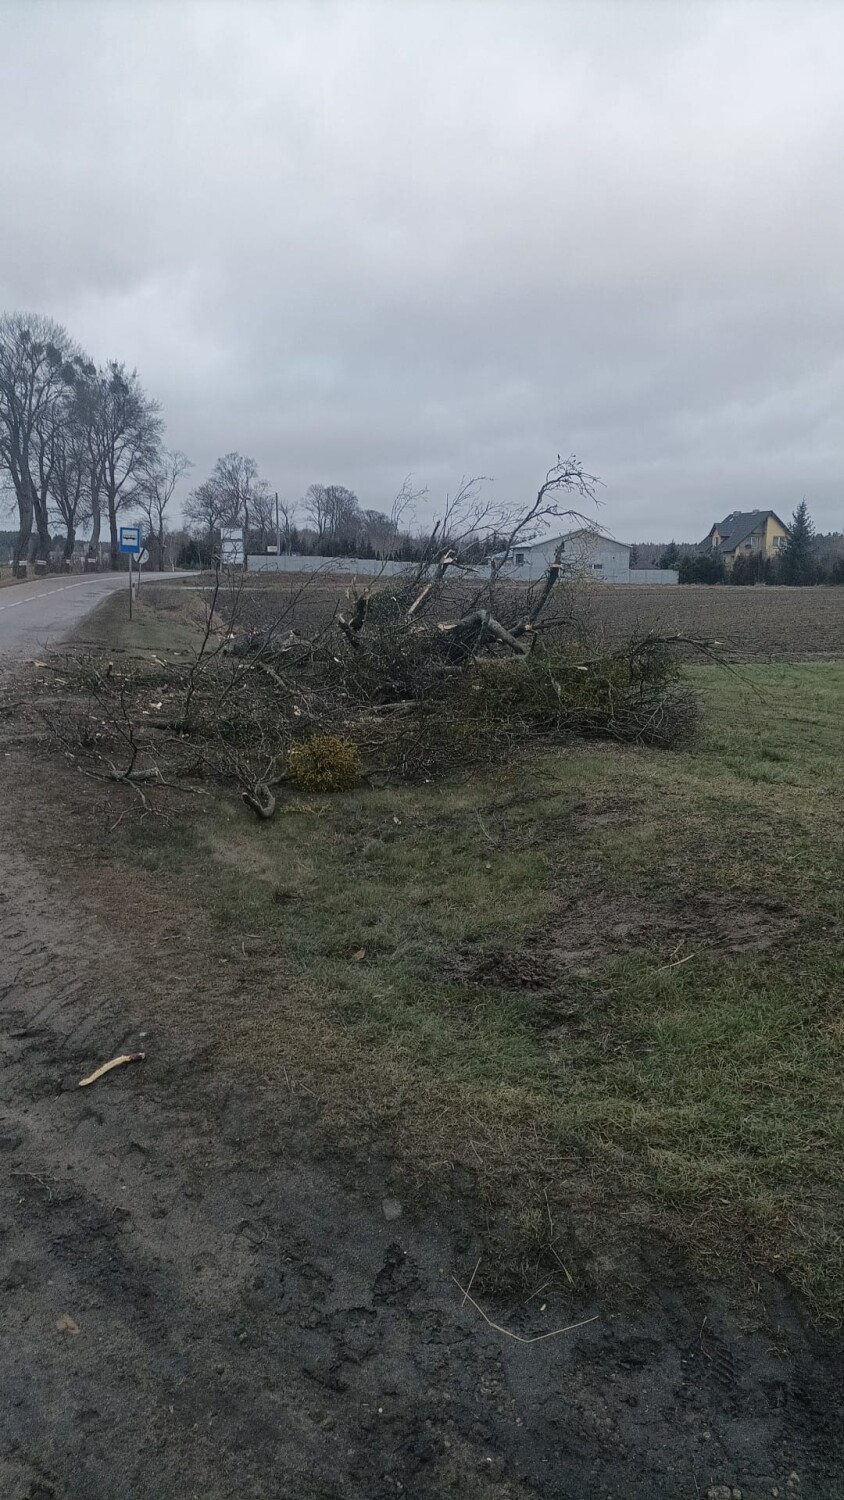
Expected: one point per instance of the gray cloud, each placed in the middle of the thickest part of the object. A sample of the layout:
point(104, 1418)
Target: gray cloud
point(357, 240)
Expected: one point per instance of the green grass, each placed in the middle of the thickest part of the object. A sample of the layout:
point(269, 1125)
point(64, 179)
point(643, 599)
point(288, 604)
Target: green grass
point(672, 1064)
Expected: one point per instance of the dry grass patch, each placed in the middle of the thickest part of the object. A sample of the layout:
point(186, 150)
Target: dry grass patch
point(165, 622)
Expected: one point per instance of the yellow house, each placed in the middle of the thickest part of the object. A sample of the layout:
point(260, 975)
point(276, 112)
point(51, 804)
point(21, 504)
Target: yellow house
point(748, 533)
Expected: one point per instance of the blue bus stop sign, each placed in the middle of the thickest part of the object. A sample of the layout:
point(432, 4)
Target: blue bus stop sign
point(130, 540)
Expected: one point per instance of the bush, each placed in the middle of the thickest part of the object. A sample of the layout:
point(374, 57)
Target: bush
point(751, 568)
point(701, 567)
point(193, 554)
point(633, 694)
point(389, 602)
point(482, 713)
point(324, 763)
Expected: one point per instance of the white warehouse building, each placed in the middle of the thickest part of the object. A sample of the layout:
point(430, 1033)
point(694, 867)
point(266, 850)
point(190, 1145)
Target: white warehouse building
point(584, 554)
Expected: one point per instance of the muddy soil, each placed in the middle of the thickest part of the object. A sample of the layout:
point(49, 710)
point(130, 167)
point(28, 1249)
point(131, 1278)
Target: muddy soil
point(588, 931)
point(750, 624)
point(201, 1299)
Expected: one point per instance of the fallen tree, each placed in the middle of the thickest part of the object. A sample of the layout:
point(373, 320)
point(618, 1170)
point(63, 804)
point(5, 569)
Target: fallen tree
point(415, 675)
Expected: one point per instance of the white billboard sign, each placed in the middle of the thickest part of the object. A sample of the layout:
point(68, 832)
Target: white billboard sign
point(231, 546)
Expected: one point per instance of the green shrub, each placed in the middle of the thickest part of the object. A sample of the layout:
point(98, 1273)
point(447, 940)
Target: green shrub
point(324, 763)
point(389, 602)
point(702, 567)
point(482, 713)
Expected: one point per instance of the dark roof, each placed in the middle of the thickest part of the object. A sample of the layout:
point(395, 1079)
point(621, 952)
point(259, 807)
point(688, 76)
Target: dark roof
point(737, 527)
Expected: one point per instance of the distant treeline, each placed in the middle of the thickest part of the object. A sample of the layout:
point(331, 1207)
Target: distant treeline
point(328, 521)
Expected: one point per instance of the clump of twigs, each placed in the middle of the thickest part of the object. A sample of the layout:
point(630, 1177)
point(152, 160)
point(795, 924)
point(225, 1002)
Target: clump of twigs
point(324, 763)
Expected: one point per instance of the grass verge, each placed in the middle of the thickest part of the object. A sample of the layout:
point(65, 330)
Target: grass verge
point(164, 622)
point(607, 981)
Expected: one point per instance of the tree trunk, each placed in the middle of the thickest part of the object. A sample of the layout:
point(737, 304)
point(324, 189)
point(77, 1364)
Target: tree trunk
point(21, 548)
point(114, 551)
point(40, 545)
point(69, 543)
point(94, 547)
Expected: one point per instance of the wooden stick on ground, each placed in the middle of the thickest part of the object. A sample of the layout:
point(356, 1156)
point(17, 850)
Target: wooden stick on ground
point(116, 1062)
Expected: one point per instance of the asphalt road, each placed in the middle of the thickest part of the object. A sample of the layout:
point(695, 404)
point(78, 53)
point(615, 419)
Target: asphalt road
point(33, 615)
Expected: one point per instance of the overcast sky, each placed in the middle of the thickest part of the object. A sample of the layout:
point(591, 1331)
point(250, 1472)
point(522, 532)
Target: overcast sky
point(360, 240)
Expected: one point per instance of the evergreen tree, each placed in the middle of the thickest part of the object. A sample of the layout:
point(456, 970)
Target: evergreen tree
point(797, 564)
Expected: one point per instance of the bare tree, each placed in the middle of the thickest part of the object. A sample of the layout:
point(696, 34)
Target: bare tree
point(126, 440)
point(286, 513)
point(206, 511)
point(315, 506)
point(88, 407)
point(463, 517)
point(39, 363)
point(262, 528)
point(237, 481)
point(343, 512)
point(69, 476)
point(154, 494)
point(232, 495)
point(565, 477)
point(380, 532)
point(335, 513)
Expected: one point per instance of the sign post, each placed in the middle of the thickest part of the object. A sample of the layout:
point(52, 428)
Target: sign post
point(130, 542)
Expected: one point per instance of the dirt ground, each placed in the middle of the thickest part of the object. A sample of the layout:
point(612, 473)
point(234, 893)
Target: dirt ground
point(750, 624)
point(205, 1297)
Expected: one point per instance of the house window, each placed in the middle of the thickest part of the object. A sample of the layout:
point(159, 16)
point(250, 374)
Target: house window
point(779, 543)
point(520, 559)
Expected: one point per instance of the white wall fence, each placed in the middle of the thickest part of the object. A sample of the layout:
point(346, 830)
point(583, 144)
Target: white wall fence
point(368, 567)
point(291, 562)
point(653, 575)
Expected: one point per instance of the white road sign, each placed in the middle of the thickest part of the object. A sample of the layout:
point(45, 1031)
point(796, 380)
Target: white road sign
point(231, 546)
